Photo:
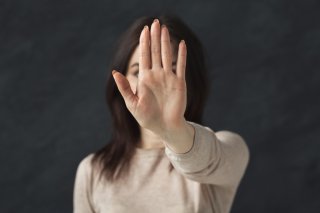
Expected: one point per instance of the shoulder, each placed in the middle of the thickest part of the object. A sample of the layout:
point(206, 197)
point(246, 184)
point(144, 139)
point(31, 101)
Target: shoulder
point(234, 141)
point(86, 161)
point(229, 135)
point(84, 166)
point(229, 140)
point(234, 138)
point(224, 135)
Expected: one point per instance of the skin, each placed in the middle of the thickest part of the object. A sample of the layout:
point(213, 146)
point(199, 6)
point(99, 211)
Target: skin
point(157, 97)
point(149, 140)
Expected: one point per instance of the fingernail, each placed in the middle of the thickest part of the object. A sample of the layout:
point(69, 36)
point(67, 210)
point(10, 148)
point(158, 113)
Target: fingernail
point(146, 27)
point(113, 72)
point(155, 20)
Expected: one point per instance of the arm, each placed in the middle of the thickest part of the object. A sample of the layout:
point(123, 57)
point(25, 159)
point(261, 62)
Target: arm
point(215, 158)
point(81, 195)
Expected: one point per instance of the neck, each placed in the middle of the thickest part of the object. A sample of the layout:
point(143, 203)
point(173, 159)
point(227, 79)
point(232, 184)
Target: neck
point(149, 140)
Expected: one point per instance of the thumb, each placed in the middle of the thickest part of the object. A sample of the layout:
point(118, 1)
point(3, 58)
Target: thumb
point(124, 87)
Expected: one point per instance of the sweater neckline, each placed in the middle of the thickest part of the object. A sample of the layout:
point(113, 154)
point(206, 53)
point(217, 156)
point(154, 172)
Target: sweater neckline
point(150, 152)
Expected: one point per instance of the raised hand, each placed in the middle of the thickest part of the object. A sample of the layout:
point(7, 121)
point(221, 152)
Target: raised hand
point(160, 100)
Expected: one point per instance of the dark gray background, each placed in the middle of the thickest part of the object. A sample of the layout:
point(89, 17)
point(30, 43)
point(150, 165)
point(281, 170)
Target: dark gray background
point(264, 66)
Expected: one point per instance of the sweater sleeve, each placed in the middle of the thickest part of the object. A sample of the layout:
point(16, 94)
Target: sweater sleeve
point(215, 158)
point(82, 202)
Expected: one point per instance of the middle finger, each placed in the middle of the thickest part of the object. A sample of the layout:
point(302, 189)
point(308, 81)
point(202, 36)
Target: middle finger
point(155, 44)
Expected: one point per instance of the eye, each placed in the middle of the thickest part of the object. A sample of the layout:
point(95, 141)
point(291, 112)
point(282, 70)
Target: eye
point(136, 73)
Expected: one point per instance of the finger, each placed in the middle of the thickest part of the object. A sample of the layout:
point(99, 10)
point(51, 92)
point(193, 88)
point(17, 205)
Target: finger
point(124, 87)
point(144, 58)
point(155, 44)
point(166, 53)
point(182, 60)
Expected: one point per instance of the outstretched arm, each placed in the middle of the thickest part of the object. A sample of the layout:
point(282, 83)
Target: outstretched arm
point(218, 158)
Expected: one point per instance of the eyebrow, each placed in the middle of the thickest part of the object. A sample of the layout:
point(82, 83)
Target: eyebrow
point(136, 64)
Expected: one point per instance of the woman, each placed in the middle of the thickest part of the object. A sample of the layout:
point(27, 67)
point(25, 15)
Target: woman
point(160, 158)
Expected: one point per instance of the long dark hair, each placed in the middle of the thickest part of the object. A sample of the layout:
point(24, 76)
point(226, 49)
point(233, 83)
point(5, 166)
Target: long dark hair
point(114, 158)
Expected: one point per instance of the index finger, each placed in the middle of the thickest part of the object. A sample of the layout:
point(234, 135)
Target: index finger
point(166, 49)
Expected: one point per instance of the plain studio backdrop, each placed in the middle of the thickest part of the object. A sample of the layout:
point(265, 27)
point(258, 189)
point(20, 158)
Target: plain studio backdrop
point(263, 59)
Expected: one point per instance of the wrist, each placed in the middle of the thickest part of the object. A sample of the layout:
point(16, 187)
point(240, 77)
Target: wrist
point(181, 138)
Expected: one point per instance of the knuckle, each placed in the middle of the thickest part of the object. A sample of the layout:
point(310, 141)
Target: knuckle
point(166, 53)
point(155, 49)
point(144, 54)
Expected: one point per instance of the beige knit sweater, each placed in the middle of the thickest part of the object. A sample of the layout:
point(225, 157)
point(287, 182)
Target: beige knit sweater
point(205, 179)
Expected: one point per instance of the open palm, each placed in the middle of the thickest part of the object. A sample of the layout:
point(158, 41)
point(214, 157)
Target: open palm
point(160, 101)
